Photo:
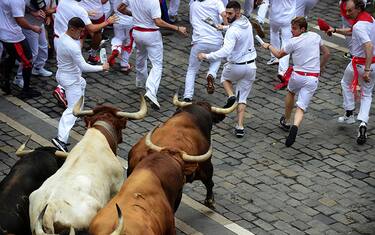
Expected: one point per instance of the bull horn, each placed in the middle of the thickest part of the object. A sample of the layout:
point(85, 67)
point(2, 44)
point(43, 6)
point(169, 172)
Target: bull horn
point(61, 154)
point(72, 232)
point(77, 109)
point(149, 143)
point(224, 110)
point(39, 227)
point(200, 158)
point(120, 225)
point(138, 115)
point(20, 151)
point(178, 103)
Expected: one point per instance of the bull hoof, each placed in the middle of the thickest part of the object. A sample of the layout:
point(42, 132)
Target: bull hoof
point(210, 203)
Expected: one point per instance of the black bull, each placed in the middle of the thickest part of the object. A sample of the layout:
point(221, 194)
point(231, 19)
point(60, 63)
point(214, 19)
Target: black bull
point(26, 175)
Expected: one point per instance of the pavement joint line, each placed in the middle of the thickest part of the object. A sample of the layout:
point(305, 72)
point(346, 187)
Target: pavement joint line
point(327, 43)
point(188, 230)
point(185, 199)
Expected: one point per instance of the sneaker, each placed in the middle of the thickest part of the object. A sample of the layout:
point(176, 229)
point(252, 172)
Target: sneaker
point(283, 124)
point(29, 93)
point(239, 132)
point(59, 144)
point(188, 100)
point(59, 94)
point(93, 59)
point(41, 72)
point(347, 120)
point(153, 101)
point(112, 57)
point(273, 61)
point(18, 81)
point(362, 133)
point(347, 55)
point(126, 69)
point(210, 84)
point(230, 101)
point(292, 136)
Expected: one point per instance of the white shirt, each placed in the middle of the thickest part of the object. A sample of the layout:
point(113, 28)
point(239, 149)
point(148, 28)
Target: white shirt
point(238, 44)
point(144, 12)
point(123, 19)
point(282, 11)
point(10, 31)
point(363, 32)
point(32, 19)
point(305, 51)
point(93, 6)
point(202, 32)
point(66, 10)
point(70, 62)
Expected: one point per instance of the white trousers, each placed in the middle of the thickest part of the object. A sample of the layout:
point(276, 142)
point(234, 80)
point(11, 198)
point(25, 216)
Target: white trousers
point(149, 45)
point(366, 91)
point(277, 30)
point(248, 7)
point(121, 38)
point(304, 6)
point(305, 87)
point(194, 65)
point(262, 11)
point(39, 48)
point(173, 7)
point(73, 93)
point(242, 75)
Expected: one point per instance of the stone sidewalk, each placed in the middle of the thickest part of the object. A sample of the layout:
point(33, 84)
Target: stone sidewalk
point(323, 184)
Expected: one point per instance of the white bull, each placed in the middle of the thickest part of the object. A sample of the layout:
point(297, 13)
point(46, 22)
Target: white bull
point(90, 176)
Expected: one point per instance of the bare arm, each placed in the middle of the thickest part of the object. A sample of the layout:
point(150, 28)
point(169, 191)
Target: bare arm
point(224, 16)
point(325, 56)
point(104, 1)
point(92, 28)
point(124, 10)
point(23, 23)
point(368, 53)
point(277, 53)
point(162, 24)
point(343, 31)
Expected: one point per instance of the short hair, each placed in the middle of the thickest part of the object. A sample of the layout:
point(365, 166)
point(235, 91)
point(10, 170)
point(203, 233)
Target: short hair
point(234, 4)
point(76, 23)
point(359, 4)
point(300, 21)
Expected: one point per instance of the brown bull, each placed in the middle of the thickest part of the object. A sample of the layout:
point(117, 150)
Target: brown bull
point(188, 130)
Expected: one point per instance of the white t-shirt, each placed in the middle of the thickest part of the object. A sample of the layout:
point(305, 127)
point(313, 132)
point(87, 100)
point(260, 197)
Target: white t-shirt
point(363, 32)
point(70, 62)
point(123, 19)
point(144, 13)
point(66, 10)
point(282, 11)
point(10, 31)
point(202, 32)
point(93, 6)
point(305, 51)
point(32, 19)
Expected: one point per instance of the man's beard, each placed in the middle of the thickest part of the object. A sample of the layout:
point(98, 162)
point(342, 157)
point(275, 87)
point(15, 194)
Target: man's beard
point(231, 20)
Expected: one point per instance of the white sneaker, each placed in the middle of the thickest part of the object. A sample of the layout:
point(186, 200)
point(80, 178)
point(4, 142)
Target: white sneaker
point(153, 101)
point(347, 120)
point(18, 81)
point(41, 72)
point(273, 61)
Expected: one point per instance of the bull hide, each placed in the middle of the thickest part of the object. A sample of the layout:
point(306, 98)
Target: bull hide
point(146, 199)
point(25, 176)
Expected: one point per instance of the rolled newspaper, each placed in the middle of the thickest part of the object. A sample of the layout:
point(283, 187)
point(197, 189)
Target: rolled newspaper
point(209, 21)
point(259, 40)
point(103, 55)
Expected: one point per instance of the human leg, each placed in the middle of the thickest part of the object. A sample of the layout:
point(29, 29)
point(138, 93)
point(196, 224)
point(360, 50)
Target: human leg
point(193, 68)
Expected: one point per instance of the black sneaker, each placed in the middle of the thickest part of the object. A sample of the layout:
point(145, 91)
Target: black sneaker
point(362, 134)
point(59, 144)
point(292, 136)
point(239, 132)
point(188, 100)
point(230, 101)
point(285, 126)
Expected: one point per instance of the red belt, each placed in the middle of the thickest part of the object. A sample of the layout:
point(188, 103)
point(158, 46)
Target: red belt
point(355, 61)
point(128, 48)
point(307, 74)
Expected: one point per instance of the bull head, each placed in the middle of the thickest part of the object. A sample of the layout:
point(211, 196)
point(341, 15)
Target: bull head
point(133, 116)
point(186, 157)
point(21, 152)
point(217, 110)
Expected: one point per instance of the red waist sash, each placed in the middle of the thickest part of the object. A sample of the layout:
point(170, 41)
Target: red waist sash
point(128, 48)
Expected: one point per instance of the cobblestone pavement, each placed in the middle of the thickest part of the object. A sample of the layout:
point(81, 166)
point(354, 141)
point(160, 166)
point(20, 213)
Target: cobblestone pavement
point(323, 184)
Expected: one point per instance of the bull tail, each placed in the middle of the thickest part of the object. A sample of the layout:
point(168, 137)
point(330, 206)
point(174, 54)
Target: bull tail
point(39, 223)
point(120, 224)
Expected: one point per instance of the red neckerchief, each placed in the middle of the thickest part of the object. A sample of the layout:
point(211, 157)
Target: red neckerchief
point(363, 16)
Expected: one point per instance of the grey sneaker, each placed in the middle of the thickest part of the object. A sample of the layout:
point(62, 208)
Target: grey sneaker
point(347, 120)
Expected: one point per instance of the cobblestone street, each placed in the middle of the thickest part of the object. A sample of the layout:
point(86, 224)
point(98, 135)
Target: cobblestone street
point(323, 184)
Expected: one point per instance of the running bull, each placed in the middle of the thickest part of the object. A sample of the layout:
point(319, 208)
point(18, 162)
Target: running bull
point(148, 197)
point(188, 130)
point(25, 176)
point(90, 176)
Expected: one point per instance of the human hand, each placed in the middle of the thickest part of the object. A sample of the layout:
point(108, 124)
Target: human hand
point(330, 31)
point(105, 66)
point(91, 13)
point(38, 14)
point(266, 45)
point(182, 30)
point(36, 29)
point(366, 76)
point(202, 56)
point(112, 19)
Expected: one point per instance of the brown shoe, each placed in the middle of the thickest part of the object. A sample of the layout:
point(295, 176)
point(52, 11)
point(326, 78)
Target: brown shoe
point(210, 84)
